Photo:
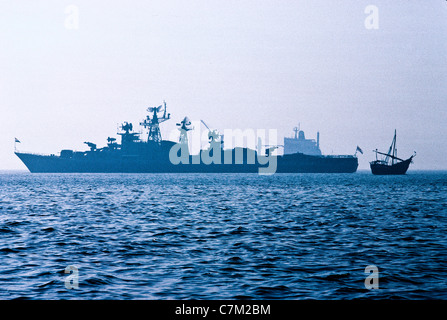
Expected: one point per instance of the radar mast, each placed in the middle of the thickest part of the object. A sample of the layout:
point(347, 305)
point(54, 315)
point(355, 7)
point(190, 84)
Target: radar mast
point(184, 126)
point(154, 123)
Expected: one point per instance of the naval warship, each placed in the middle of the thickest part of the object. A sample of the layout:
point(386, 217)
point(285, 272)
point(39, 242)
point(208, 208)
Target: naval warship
point(154, 155)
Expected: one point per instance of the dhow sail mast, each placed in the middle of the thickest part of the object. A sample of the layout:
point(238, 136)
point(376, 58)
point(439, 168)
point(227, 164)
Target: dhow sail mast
point(392, 149)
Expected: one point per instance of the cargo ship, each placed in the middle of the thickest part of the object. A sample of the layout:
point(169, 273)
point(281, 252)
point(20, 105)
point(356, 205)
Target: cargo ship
point(155, 155)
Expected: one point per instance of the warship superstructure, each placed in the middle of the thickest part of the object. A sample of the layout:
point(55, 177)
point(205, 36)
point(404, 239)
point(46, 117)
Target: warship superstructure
point(135, 154)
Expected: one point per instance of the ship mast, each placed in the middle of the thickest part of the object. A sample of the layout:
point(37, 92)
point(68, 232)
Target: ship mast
point(392, 151)
point(184, 126)
point(154, 123)
point(296, 130)
point(394, 148)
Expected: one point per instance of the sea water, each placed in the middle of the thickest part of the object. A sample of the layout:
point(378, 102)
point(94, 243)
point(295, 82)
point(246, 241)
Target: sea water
point(223, 236)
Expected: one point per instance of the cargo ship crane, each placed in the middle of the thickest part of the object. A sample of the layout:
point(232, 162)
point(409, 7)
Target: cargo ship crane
point(214, 136)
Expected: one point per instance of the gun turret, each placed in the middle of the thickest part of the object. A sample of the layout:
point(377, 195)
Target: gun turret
point(111, 143)
point(91, 145)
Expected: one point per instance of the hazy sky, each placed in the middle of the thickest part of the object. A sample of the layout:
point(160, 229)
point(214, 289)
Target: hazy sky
point(235, 64)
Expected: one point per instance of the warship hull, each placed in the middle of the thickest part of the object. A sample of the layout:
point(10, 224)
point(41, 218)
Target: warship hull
point(293, 163)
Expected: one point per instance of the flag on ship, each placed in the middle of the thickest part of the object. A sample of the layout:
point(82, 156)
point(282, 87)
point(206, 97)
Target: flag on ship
point(359, 150)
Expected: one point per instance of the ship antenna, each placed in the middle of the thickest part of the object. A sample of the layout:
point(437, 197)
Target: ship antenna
point(296, 130)
point(154, 123)
point(184, 126)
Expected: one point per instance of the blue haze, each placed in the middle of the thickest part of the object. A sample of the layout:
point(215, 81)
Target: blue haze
point(235, 64)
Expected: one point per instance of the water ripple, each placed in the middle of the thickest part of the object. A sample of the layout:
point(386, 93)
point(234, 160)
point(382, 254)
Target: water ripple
point(234, 236)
